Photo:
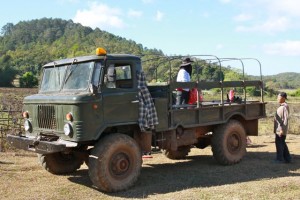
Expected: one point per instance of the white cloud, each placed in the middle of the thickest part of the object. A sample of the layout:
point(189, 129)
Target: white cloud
point(287, 48)
point(100, 15)
point(243, 17)
point(288, 7)
point(206, 14)
point(219, 46)
point(225, 1)
point(159, 15)
point(148, 1)
point(135, 13)
point(270, 26)
point(67, 1)
point(268, 15)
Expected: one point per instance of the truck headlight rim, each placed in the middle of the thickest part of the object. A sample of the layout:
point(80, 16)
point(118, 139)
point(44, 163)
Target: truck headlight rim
point(68, 130)
point(27, 126)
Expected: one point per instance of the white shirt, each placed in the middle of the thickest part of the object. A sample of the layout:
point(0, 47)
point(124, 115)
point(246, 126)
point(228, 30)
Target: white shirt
point(183, 76)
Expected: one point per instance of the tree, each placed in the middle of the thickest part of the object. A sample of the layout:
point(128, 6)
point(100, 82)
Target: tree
point(7, 29)
point(7, 72)
point(28, 80)
point(232, 75)
point(212, 73)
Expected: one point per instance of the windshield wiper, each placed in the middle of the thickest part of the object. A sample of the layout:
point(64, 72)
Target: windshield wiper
point(70, 71)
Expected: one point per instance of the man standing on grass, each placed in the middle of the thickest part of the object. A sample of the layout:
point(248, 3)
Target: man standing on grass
point(281, 129)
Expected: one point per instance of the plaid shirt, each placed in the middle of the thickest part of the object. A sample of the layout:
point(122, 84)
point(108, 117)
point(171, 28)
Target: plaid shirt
point(147, 112)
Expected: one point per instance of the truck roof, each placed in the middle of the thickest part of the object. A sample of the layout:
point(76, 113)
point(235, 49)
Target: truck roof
point(93, 58)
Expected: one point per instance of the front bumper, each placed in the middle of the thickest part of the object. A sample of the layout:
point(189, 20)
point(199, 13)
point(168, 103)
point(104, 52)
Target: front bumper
point(38, 146)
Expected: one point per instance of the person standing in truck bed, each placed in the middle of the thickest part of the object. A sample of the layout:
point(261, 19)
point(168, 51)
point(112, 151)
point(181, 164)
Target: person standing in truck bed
point(184, 75)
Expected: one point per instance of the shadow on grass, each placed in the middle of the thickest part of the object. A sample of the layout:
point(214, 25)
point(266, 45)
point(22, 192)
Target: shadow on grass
point(7, 163)
point(199, 171)
point(253, 146)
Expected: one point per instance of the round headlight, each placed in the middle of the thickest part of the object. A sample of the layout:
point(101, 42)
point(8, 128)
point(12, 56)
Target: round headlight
point(68, 129)
point(27, 126)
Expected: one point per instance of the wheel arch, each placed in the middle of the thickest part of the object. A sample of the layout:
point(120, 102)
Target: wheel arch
point(250, 125)
point(127, 129)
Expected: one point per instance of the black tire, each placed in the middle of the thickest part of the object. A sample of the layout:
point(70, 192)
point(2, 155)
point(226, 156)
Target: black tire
point(115, 163)
point(203, 142)
point(60, 163)
point(181, 153)
point(229, 143)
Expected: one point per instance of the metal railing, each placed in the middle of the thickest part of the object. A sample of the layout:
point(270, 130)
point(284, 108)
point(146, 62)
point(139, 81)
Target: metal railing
point(10, 122)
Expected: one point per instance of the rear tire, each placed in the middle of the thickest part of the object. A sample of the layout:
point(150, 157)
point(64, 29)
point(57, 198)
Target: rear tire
point(115, 163)
point(229, 143)
point(60, 163)
point(181, 153)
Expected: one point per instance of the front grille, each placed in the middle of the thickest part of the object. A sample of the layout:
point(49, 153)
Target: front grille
point(46, 117)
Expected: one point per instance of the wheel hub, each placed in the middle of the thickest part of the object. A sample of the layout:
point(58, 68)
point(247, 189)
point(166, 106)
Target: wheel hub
point(233, 143)
point(120, 164)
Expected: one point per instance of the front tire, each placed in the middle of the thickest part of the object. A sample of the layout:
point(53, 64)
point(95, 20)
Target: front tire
point(115, 163)
point(229, 143)
point(60, 163)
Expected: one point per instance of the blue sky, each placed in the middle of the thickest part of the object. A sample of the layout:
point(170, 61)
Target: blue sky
point(268, 30)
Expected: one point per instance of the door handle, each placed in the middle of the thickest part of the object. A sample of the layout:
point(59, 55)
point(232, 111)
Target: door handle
point(135, 101)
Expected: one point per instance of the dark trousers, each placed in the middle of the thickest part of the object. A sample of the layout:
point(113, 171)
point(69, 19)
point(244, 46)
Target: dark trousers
point(182, 97)
point(282, 150)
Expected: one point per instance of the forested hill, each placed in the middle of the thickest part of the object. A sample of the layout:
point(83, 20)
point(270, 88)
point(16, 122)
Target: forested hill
point(28, 45)
point(284, 80)
point(287, 80)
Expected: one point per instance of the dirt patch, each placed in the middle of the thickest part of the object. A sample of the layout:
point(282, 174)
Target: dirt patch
point(197, 177)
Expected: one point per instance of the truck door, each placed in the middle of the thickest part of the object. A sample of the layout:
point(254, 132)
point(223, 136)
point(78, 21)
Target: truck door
point(120, 94)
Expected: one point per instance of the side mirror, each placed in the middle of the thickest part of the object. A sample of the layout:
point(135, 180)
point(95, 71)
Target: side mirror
point(110, 77)
point(111, 74)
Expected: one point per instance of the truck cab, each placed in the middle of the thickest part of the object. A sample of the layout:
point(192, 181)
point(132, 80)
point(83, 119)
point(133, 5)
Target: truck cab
point(79, 98)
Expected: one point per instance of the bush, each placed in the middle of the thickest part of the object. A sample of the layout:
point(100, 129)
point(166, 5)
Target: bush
point(252, 91)
point(296, 93)
point(28, 80)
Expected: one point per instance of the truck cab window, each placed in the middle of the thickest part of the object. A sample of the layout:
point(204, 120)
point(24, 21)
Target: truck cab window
point(78, 76)
point(124, 76)
point(119, 76)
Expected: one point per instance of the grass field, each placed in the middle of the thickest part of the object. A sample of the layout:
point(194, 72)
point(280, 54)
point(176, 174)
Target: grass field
point(197, 177)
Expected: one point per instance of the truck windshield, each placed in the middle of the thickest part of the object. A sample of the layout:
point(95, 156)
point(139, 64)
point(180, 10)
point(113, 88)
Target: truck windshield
point(67, 77)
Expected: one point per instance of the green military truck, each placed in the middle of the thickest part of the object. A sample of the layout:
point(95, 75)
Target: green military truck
point(88, 109)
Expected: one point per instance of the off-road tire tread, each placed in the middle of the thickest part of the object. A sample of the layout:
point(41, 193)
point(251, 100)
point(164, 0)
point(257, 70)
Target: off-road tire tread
point(99, 159)
point(56, 164)
point(219, 147)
